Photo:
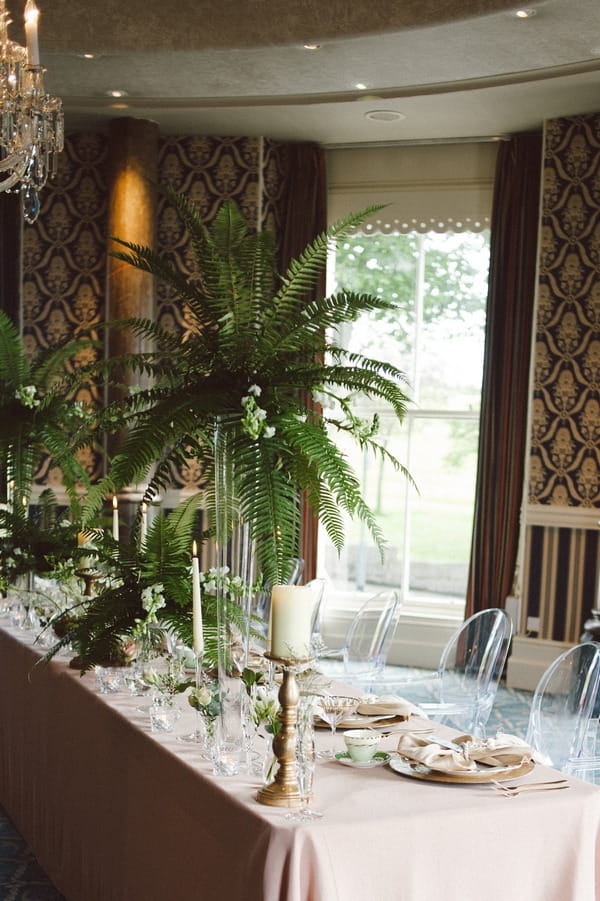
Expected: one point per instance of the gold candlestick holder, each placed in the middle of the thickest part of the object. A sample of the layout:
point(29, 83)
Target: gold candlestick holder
point(90, 577)
point(284, 790)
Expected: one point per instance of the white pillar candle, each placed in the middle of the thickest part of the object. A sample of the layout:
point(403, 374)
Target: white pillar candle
point(197, 605)
point(290, 622)
point(144, 524)
point(31, 33)
point(115, 528)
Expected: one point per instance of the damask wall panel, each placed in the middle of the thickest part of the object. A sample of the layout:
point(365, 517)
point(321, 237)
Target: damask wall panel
point(561, 564)
point(64, 260)
point(565, 458)
point(210, 170)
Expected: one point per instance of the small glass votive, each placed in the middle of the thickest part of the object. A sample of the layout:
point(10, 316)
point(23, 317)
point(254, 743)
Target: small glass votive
point(163, 717)
point(133, 677)
point(110, 679)
point(228, 758)
point(17, 614)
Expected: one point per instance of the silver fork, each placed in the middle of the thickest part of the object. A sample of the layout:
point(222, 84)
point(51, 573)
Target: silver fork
point(513, 791)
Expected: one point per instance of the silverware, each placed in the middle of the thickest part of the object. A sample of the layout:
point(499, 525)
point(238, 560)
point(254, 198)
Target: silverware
point(513, 791)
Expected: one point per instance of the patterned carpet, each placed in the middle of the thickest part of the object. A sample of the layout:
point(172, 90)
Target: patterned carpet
point(22, 879)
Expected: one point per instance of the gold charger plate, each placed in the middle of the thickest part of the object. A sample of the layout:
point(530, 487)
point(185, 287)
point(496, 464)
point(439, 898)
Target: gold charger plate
point(358, 721)
point(415, 770)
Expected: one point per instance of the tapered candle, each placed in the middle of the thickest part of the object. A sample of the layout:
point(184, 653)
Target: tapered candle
point(144, 524)
point(290, 622)
point(115, 529)
point(197, 604)
point(31, 33)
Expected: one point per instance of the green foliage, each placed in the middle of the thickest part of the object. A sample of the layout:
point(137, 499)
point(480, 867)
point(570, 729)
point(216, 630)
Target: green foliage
point(42, 545)
point(38, 410)
point(260, 350)
point(101, 626)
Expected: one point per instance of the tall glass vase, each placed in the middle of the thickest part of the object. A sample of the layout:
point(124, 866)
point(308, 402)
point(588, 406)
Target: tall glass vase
point(235, 559)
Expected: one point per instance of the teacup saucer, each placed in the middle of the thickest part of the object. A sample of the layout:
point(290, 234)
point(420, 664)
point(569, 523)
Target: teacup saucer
point(378, 759)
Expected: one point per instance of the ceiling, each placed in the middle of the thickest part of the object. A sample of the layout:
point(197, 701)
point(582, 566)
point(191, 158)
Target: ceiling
point(452, 69)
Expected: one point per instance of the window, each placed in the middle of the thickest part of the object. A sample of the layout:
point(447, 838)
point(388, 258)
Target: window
point(437, 338)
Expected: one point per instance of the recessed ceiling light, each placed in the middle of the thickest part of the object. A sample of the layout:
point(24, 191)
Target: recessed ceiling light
point(360, 86)
point(311, 46)
point(87, 55)
point(116, 93)
point(525, 13)
point(384, 115)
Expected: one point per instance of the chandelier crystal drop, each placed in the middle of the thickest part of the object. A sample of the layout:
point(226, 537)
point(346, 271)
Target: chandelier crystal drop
point(31, 124)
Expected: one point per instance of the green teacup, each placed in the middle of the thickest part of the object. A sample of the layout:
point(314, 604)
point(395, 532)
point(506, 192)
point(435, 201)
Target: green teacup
point(361, 743)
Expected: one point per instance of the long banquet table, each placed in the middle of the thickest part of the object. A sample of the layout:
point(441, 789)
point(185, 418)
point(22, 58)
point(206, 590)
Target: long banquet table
point(117, 813)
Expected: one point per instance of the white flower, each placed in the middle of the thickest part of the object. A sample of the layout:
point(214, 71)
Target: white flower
point(27, 395)
point(256, 390)
point(152, 600)
point(269, 431)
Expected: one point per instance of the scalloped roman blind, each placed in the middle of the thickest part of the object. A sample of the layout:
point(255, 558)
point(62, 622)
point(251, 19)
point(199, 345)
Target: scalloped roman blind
point(437, 187)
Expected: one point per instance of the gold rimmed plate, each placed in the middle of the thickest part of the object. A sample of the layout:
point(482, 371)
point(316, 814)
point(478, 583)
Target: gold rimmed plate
point(405, 767)
point(359, 721)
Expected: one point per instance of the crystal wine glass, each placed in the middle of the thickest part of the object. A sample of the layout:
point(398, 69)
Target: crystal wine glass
point(305, 772)
point(333, 709)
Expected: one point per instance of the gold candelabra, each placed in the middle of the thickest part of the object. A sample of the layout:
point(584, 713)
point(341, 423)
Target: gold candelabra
point(284, 790)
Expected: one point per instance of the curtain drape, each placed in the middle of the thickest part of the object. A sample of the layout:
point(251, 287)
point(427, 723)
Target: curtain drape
point(505, 389)
point(10, 254)
point(304, 191)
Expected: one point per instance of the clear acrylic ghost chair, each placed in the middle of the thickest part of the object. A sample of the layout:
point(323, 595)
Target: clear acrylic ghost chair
point(318, 588)
point(470, 670)
point(564, 712)
point(367, 641)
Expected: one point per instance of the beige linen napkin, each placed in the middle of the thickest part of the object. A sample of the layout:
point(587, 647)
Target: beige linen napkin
point(434, 756)
point(502, 750)
point(388, 705)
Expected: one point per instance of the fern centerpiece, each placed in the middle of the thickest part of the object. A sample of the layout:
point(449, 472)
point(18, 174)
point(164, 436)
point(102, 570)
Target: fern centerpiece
point(40, 413)
point(142, 598)
point(263, 353)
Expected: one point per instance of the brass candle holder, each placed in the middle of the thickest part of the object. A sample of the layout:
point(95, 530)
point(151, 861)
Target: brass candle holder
point(90, 577)
point(284, 791)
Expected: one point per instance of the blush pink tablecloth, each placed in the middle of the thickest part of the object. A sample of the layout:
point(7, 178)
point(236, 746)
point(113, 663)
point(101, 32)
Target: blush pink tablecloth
point(116, 813)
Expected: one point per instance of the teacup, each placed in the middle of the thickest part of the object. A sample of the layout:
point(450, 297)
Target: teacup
point(361, 743)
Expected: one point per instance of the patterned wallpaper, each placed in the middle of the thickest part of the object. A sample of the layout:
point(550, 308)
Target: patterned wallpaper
point(560, 567)
point(565, 458)
point(64, 259)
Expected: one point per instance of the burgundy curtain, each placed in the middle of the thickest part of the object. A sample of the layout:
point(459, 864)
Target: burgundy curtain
point(505, 392)
point(304, 193)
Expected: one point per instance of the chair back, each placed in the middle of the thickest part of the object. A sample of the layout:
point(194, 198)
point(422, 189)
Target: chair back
point(318, 589)
point(471, 667)
point(370, 635)
point(563, 707)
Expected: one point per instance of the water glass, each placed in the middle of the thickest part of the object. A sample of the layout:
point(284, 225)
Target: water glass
point(17, 613)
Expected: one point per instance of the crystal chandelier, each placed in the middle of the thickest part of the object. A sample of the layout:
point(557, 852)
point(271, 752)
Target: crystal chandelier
point(31, 130)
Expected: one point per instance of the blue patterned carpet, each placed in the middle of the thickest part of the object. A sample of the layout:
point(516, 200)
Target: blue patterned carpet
point(22, 879)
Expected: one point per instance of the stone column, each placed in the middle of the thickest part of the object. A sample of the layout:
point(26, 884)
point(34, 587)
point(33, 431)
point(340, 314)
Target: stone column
point(133, 173)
